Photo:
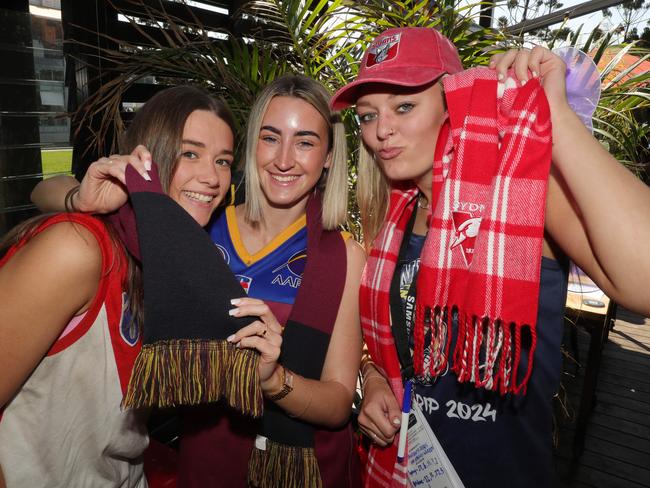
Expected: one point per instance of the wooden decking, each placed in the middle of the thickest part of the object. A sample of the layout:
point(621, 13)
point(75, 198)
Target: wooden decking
point(617, 442)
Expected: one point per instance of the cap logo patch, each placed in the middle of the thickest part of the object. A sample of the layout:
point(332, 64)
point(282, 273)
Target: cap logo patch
point(383, 49)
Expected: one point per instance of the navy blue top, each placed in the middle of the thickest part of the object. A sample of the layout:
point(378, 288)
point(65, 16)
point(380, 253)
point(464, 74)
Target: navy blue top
point(493, 440)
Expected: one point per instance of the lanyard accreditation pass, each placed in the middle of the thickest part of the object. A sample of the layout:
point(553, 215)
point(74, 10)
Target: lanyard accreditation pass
point(428, 464)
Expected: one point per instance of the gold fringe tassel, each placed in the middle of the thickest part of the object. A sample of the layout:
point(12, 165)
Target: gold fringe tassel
point(283, 466)
point(192, 371)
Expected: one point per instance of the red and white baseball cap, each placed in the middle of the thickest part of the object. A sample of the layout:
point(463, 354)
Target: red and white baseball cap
point(407, 56)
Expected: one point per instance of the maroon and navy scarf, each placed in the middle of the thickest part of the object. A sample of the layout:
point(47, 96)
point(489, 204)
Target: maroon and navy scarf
point(286, 456)
point(481, 258)
point(185, 357)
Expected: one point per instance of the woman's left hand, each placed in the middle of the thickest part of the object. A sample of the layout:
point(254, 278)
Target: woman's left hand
point(263, 335)
point(539, 63)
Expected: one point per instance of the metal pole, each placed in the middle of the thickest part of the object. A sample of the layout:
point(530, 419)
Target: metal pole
point(556, 17)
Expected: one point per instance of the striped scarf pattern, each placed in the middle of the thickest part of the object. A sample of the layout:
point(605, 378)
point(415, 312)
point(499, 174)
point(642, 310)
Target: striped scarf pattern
point(481, 258)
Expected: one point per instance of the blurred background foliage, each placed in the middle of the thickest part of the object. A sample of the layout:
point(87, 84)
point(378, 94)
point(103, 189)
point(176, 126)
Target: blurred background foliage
point(325, 40)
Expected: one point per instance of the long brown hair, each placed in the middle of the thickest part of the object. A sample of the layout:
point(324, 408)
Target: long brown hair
point(158, 125)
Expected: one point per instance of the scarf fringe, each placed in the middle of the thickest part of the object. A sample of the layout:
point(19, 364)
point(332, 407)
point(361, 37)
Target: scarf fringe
point(435, 327)
point(194, 371)
point(487, 352)
point(285, 466)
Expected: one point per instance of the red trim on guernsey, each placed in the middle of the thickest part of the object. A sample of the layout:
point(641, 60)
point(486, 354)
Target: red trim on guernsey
point(109, 259)
point(109, 292)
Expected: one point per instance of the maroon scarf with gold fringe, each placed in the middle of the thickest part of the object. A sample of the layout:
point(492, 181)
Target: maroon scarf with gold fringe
point(185, 358)
point(284, 453)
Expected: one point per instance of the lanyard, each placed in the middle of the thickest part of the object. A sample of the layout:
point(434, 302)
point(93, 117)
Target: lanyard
point(398, 319)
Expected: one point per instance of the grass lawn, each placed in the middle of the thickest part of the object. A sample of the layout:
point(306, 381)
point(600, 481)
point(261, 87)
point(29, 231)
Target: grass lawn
point(56, 161)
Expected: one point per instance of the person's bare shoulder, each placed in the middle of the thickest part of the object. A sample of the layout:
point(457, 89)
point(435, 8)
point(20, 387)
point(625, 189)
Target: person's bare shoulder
point(69, 244)
point(65, 253)
point(355, 253)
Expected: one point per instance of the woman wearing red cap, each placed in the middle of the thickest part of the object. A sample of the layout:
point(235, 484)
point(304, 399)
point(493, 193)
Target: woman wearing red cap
point(468, 224)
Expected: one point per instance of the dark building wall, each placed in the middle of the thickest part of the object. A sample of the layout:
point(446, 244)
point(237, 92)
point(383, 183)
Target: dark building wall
point(19, 105)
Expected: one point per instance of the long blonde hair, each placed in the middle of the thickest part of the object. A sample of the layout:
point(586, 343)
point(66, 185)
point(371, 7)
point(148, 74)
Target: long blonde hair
point(373, 191)
point(333, 181)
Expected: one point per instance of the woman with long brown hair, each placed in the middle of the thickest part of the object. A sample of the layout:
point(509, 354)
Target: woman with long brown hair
point(70, 311)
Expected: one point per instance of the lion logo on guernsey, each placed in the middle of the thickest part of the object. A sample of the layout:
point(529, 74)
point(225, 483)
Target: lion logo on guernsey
point(245, 282)
point(383, 49)
point(129, 329)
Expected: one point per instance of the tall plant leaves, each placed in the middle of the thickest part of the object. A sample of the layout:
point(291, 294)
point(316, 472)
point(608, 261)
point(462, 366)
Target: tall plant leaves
point(325, 39)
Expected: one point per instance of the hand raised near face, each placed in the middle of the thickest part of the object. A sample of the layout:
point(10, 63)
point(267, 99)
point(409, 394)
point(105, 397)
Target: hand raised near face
point(103, 188)
point(537, 63)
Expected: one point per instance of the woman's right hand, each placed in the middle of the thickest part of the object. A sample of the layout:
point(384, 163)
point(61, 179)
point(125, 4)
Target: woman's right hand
point(538, 62)
point(263, 335)
point(380, 415)
point(103, 188)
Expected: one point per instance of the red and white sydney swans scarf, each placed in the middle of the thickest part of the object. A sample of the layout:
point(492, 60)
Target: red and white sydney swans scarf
point(483, 250)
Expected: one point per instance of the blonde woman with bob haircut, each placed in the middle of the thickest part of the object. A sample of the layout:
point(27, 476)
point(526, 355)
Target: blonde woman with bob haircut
point(295, 152)
point(333, 181)
point(302, 276)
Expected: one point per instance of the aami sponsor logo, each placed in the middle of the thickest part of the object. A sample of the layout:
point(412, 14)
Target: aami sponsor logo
point(290, 273)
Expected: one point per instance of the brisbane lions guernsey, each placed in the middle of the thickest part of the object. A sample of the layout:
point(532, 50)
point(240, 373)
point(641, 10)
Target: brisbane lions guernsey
point(216, 443)
point(273, 274)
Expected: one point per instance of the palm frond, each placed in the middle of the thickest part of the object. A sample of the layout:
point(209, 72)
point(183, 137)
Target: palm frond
point(325, 40)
